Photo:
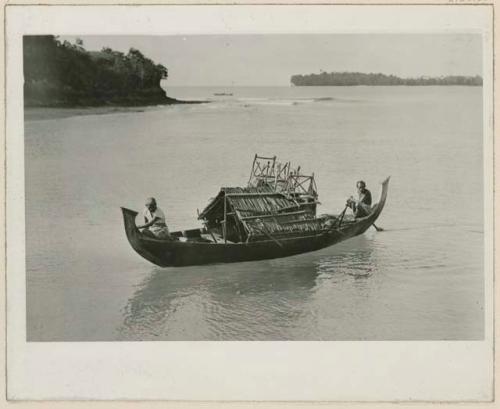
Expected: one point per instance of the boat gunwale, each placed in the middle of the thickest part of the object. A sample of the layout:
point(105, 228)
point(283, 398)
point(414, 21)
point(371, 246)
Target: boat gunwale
point(183, 243)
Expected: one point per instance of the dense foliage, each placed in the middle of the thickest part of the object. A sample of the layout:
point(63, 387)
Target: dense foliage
point(63, 74)
point(358, 78)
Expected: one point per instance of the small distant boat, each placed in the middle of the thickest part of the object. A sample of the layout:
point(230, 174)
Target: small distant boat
point(274, 216)
point(223, 94)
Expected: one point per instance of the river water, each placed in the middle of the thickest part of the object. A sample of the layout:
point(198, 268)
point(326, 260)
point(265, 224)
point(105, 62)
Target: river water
point(420, 279)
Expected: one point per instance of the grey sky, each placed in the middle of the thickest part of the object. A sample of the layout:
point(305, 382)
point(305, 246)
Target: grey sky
point(271, 59)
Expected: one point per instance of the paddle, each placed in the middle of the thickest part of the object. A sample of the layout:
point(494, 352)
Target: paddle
point(373, 224)
point(342, 218)
point(342, 215)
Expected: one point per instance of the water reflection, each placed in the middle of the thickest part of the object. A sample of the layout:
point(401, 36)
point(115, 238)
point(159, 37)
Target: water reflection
point(220, 301)
point(266, 300)
point(355, 258)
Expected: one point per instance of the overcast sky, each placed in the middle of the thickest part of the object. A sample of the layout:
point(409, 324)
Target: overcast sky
point(242, 60)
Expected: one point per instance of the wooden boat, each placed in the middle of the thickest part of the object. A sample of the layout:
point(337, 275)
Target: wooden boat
point(244, 235)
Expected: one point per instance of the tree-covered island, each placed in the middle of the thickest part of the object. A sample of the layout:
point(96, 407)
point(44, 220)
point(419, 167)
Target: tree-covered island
point(61, 74)
point(359, 78)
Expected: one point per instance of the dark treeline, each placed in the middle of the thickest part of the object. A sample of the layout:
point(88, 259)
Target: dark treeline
point(63, 74)
point(359, 78)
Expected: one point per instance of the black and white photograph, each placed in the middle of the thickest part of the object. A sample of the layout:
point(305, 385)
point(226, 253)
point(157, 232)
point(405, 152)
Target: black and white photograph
point(232, 172)
point(256, 186)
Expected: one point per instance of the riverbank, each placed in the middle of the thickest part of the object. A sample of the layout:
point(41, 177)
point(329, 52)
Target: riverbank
point(146, 99)
point(37, 113)
point(44, 113)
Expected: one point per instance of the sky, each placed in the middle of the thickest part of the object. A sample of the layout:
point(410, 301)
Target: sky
point(271, 59)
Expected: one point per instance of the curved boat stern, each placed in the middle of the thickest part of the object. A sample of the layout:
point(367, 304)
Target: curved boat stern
point(129, 221)
point(135, 237)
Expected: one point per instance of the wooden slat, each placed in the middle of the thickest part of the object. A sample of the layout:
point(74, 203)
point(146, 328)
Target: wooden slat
point(265, 216)
point(281, 209)
point(229, 195)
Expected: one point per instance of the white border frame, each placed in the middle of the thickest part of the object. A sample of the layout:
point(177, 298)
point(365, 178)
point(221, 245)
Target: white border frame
point(271, 371)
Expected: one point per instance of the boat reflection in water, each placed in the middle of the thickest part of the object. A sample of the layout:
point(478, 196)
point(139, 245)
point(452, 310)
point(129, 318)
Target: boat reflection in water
point(355, 261)
point(266, 300)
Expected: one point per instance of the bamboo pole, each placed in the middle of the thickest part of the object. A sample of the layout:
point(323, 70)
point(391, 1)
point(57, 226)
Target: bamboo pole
point(243, 195)
point(276, 175)
point(252, 171)
point(238, 227)
point(224, 230)
point(244, 223)
point(264, 216)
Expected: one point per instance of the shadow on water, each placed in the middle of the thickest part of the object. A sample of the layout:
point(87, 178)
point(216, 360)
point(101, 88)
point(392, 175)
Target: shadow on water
point(229, 301)
point(158, 297)
point(355, 258)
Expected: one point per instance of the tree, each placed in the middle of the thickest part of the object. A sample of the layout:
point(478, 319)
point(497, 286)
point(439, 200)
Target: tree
point(59, 73)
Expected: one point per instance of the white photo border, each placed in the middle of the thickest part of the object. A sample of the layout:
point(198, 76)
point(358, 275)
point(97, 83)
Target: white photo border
point(254, 371)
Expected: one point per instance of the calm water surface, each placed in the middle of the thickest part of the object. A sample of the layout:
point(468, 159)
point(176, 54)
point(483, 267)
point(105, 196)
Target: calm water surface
point(420, 279)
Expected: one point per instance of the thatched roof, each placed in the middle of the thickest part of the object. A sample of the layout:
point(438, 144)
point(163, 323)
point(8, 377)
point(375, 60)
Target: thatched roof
point(249, 201)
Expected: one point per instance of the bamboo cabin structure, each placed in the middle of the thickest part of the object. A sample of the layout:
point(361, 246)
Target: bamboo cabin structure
point(278, 201)
point(273, 216)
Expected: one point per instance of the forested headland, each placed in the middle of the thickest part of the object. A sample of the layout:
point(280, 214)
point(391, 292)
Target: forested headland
point(62, 74)
point(359, 78)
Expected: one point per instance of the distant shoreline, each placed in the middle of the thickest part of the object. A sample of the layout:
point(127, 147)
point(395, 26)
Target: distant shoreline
point(389, 85)
point(379, 79)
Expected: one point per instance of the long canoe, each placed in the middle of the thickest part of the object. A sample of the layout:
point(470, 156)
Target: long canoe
point(185, 253)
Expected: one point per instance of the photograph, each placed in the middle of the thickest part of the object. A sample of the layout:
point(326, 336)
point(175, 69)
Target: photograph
point(254, 187)
point(250, 203)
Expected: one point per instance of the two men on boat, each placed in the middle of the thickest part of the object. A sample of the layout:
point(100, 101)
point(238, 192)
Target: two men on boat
point(154, 221)
point(362, 206)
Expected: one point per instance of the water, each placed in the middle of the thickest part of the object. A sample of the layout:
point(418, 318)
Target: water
point(420, 279)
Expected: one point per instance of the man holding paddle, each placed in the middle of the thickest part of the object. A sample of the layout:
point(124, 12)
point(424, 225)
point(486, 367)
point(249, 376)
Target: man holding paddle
point(362, 206)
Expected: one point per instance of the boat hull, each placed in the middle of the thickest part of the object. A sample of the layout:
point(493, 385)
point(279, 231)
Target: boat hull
point(178, 253)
